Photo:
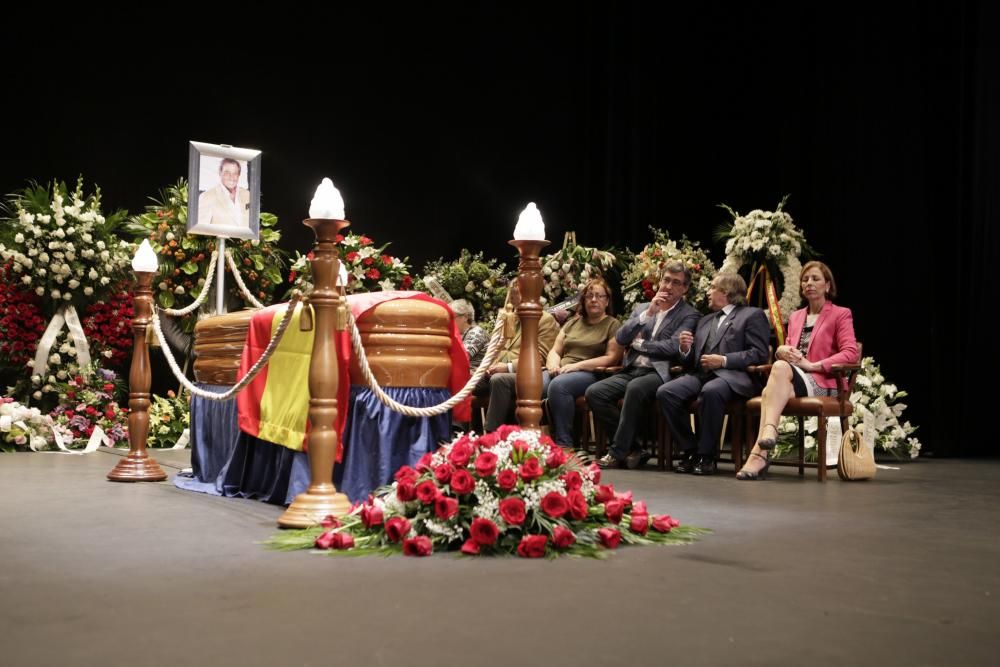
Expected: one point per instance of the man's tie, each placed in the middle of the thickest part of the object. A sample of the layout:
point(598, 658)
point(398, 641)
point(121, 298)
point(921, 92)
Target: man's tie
point(713, 333)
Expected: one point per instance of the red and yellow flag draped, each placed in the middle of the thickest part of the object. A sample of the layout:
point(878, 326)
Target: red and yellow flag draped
point(275, 405)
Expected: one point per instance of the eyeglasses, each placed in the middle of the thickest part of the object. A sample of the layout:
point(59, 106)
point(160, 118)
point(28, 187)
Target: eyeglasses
point(595, 297)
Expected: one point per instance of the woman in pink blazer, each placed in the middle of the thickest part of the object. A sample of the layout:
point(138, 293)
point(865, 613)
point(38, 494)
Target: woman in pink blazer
point(819, 335)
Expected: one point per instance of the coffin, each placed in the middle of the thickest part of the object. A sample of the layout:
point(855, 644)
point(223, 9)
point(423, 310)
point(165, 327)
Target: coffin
point(407, 342)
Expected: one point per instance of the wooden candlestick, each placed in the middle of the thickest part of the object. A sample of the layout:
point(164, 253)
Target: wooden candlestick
point(322, 497)
point(529, 367)
point(138, 466)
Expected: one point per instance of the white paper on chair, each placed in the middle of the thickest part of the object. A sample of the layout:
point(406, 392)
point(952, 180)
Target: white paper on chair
point(833, 438)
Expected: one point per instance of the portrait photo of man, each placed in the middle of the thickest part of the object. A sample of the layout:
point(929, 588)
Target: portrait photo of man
point(223, 191)
point(228, 202)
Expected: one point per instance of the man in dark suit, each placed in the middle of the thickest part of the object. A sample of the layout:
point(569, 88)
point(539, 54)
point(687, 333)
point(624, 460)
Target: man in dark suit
point(726, 342)
point(649, 338)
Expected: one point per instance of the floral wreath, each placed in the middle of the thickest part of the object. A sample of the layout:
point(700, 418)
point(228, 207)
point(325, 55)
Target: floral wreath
point(771, 244)
point(640, 280)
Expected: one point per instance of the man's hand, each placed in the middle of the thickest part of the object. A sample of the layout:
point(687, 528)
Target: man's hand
point(686, 340)
point(711, 362)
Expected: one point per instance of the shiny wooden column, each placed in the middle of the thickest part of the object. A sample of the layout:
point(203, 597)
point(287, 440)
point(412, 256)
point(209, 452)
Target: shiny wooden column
point(321, 498)
point(138, 466)
point(529, 368)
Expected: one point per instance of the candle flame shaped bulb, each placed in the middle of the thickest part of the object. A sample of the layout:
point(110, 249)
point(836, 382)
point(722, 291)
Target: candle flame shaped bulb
point(327, 203)
point(529, 225)
point(145, 258)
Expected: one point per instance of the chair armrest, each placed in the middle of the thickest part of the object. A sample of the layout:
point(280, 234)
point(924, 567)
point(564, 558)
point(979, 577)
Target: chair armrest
point(608, 370)
point(762, 369)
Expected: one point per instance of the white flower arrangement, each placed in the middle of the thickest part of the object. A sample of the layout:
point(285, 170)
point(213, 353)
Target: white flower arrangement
point(876, 414)
point(565, 272)
point(766, 238)
point(875, 406)
point(22, 427)
point(45, 238)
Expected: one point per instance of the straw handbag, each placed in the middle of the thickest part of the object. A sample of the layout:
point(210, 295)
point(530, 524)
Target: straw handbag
point(856, 460)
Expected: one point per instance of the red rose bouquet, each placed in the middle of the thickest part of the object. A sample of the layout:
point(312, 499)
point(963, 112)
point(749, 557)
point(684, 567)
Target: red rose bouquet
point(507, 492)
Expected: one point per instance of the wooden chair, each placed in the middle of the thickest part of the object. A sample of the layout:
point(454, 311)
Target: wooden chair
point(821, 407)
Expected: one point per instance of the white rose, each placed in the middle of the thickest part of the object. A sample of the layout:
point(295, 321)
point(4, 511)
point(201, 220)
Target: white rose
point(88, 290)
point(44, 257)
point(39, 291)
point(74, 283)
point(87, 238)
point(55, 294)
point(62, 375)
point(105, 255)
point(162, 286)
point(179, 289)
point(26, 280)
point(37, 395)
point(100, 245)
point(52, 379)
point(54, 358)
point(105, 280)
point(67, 297)
point(107, 353)
point(19, 238)
point(36, 379)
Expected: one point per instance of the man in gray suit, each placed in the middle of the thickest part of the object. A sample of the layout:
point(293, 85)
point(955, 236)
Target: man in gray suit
point(726, 342)
point(649, 338)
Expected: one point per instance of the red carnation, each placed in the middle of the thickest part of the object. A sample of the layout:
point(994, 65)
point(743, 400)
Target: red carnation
point(512, 510)
point(532, 546)
point(483, 531)
point(373, 274)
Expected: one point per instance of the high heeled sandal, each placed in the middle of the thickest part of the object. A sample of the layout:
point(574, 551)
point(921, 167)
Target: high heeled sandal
point(768, 443)
point(747, 476)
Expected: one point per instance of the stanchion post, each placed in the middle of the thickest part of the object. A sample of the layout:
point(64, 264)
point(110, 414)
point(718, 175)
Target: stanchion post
point(321, 498)
point(138, 466)
point(529, 368)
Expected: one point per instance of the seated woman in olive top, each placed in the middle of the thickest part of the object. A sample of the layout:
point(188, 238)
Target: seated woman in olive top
point(586, 342)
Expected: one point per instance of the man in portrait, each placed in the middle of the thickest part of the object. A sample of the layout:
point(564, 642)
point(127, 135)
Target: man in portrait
point(227, 203)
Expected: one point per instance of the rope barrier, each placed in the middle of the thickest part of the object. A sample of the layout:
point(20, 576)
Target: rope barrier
point(441, 408)
point(251, 374)
point(239, 281)
point(180, 312)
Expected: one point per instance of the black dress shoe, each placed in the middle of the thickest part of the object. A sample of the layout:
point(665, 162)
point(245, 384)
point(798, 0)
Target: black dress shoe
point(687, 462)
point(705, 465)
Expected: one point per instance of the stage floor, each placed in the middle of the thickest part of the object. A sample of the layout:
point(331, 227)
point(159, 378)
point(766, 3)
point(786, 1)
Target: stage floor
point(904, 570)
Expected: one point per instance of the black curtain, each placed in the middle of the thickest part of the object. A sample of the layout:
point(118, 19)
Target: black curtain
point(439, 122)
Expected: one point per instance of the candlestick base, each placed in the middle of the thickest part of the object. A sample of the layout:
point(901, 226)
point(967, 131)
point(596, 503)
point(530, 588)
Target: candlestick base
point(137, 467)
point(310, 508)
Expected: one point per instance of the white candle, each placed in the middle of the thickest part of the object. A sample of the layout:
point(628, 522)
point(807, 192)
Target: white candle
point(145, 258)
point(529, 225)
point(327, 203)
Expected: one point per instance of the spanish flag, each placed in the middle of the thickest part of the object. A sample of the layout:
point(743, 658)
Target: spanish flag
point(275, 405)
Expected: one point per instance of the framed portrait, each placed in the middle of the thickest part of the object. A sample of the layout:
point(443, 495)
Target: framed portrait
point(223, 191)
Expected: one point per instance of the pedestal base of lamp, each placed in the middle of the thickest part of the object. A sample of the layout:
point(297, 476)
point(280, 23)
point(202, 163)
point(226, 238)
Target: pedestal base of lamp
point(137, 468)
point(310, 508)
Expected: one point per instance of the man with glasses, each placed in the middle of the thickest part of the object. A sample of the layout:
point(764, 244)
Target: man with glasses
point(650, 340)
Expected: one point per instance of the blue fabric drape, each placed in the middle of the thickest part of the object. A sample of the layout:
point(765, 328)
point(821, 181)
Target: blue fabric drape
point(377, 442)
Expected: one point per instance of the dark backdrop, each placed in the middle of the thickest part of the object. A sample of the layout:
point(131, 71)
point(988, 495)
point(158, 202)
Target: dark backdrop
point(439, 122)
